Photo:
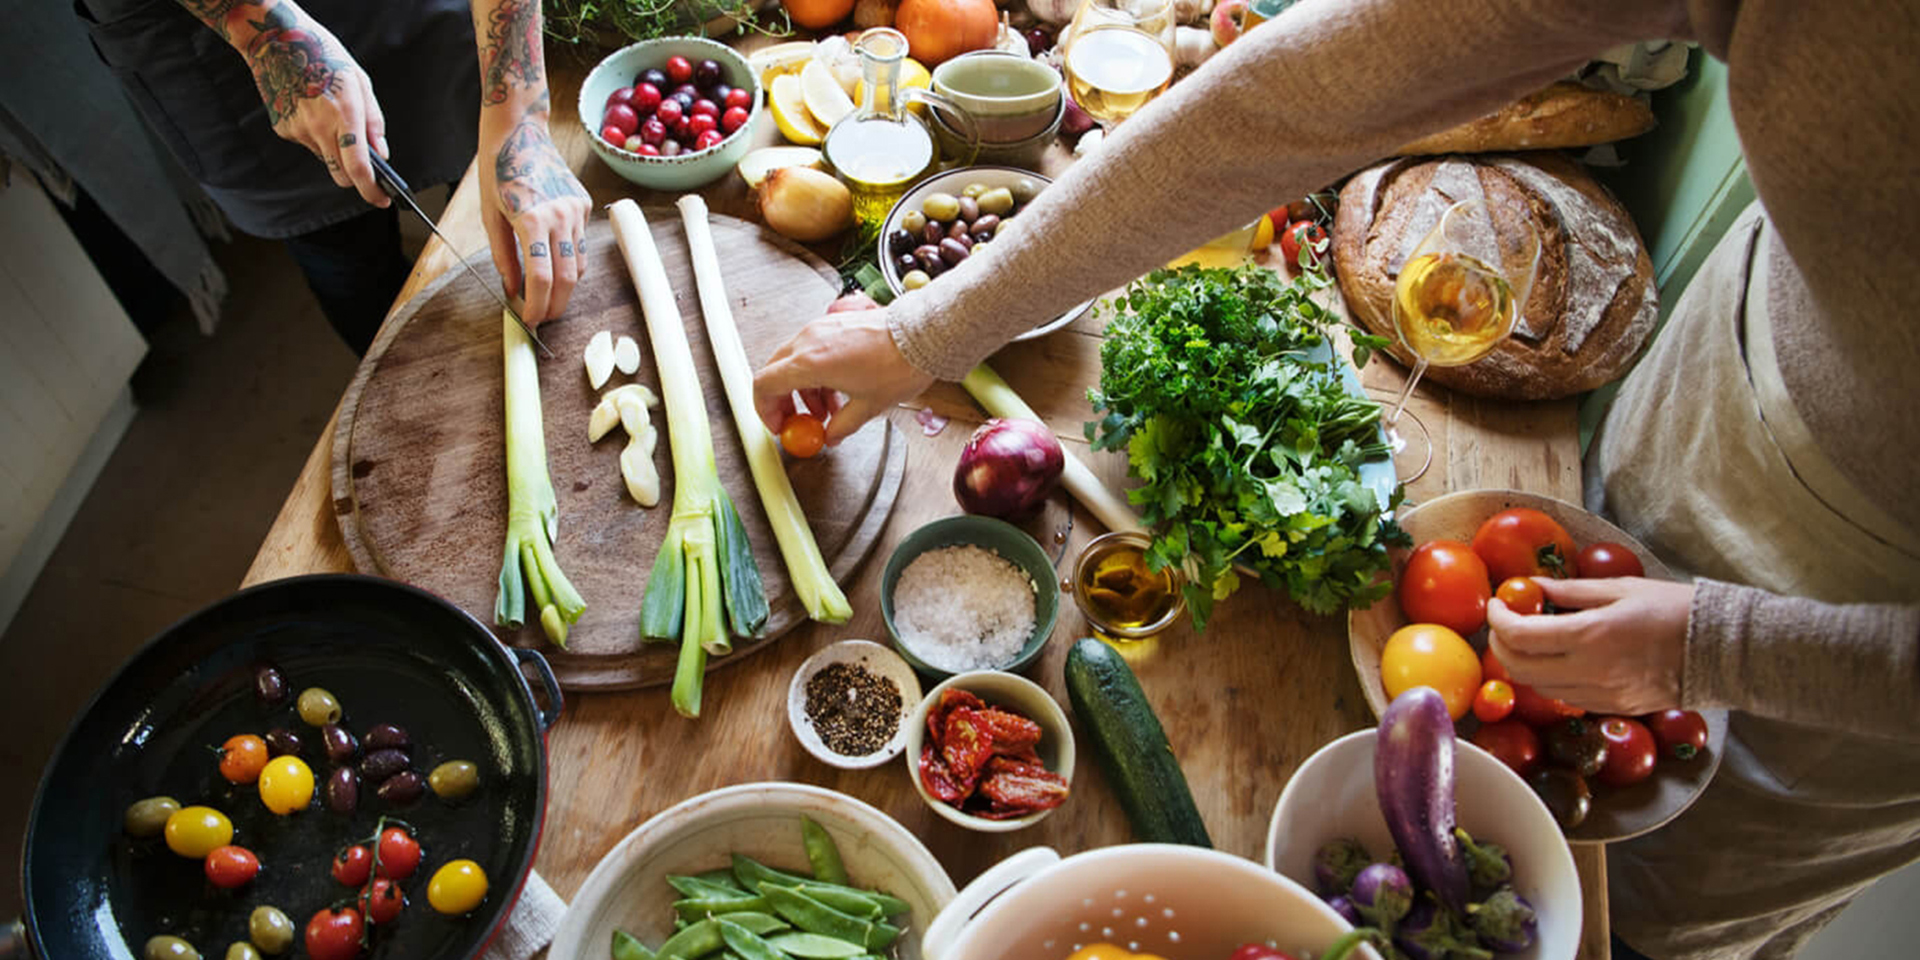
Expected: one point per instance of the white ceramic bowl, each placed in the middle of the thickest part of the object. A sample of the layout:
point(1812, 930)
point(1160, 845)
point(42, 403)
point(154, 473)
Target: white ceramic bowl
point(1012, 692)
point(1332, 796)
point(953, 181)
point(683, 171)
point(877, 660)
point(628, 888)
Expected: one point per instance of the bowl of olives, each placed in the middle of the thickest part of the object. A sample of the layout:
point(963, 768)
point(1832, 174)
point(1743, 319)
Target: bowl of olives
point(947, 218)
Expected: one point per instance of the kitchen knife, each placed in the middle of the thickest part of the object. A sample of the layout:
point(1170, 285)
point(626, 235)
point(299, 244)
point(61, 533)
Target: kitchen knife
point(390, 181)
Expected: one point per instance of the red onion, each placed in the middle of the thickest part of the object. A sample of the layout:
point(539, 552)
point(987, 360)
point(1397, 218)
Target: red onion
point(1007, 469)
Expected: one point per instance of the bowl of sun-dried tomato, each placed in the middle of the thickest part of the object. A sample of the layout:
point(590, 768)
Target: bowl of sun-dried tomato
point(990, 751)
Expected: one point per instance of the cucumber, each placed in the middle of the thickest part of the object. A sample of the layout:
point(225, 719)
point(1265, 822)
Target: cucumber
point(1131, 746)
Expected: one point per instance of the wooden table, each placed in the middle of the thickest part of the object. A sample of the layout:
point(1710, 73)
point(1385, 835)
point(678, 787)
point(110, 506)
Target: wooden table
point(1244, 703)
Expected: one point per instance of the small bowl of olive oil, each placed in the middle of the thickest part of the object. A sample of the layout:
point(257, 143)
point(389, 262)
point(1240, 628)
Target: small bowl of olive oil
point(1119, 595)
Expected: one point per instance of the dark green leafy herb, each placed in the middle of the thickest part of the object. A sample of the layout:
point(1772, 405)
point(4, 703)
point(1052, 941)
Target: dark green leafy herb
point(614, 23)
point(1249, 452)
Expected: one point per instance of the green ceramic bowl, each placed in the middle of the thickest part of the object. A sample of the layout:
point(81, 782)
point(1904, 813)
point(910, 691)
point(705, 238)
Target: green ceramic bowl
point(683, 171)
point(1003, 538)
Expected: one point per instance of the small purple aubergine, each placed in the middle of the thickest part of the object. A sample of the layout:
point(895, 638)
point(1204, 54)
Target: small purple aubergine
point(1336, 863)
point(1429, 932)
point(1382, 894)
point(1505, 921)
point(1344, 907)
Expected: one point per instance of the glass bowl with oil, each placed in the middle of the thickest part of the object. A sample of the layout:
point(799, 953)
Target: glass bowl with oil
point(1120, 597)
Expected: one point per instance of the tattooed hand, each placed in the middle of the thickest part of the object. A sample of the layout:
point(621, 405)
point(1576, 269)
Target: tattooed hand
point(536, 214)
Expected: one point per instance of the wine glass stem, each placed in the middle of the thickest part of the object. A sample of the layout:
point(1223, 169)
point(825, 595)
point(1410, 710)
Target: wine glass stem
point(1413, 380)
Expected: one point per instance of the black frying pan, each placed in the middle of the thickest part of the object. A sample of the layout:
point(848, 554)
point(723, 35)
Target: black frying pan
point(391, 654)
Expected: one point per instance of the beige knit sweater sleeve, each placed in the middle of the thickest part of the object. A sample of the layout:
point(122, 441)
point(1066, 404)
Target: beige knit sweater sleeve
point(1319, 92)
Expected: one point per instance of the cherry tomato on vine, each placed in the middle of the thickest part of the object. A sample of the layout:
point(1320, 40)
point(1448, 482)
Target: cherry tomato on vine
point(242, 757)
point(1522, 596)
point(803, 435)
point(1430, 655)
point(382, 900)
point(1630, 752)
point(334, 934)
point(230, 866)
point(1609, 560)
point(1494, 701)
point(399, 853)
point(1682, 734)
point(353, 865)
point(1512, 743)
point(1523, 542)
point(1299, 234)
point(1445, 583)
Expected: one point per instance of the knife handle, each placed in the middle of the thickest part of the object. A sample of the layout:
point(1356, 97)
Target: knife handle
point(387, 178)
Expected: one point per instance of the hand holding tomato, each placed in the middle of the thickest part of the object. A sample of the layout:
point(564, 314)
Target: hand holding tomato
point(1620, 651)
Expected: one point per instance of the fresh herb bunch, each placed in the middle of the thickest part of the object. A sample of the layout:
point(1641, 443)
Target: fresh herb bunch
point(1220, 387)
point(613, 23)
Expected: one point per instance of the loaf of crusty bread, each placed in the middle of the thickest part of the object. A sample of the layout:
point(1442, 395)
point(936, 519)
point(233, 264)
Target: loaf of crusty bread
point(1593, 300)
point(1563, 115)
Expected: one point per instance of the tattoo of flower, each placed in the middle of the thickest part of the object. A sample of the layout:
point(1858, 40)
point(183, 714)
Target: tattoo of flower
point(291, 65)
point(511, 58)
point(528, 170)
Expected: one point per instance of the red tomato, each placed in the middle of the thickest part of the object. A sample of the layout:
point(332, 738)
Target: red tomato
point(1512, 743)
point(242, 757)
point(1445, 583)
point(230, 866)
point(1493, 701)
point(803, 435)
point(1259, 951)
point(1490, 667)
point(1682, 733)
point(353, 865)
point(1522, 542)
point(1630, 752)
point(1609, 560)
point(1535, 710)
point(335, 934)
point(382, 900)
point(399, 853)
point(1301, 233)
point(1522, 596)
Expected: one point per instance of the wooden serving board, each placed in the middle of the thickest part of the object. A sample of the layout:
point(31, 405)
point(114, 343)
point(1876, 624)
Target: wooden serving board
point(419, 481)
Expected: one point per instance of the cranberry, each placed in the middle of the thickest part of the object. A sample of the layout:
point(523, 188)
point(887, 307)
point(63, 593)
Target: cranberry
point(648, 150)
point(739, 97)
point(683, 130)
point(670, 149)
point(622, 118)
point(622, 95)
point(1039, 41)
point(701, 123)
point(692, 92)
point(613, 135)
point(657, 77)
point(669, 112)
point(679, 69)
point(646, 98)
point(733, 119)
point(705, 108)
point(653, 131)
point(633, 144)
point(718, 93)
point(684, 99)
point(707, 73)
point(708, 139)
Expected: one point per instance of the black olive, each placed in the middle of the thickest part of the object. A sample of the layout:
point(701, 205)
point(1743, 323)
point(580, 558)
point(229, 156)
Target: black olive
point(899, 242)
point(269, 685)
point(282, 742)
point(381, 764)
point(343, 791)
point(402, 788)
point(386, 736)
point(340, 744)
point(906, 263)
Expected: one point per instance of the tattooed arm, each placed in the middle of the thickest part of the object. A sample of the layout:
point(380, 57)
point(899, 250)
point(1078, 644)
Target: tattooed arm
point(316, 95)
point(534, 209)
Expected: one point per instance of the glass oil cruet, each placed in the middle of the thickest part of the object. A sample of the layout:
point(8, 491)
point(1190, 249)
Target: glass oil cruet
point(881, 149)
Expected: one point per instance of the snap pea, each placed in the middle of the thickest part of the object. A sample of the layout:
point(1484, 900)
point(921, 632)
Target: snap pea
point(694, 909)
point(846, 901)
point(722, 877)
point(693, 940)
point(822, 853)
point(746, 943)
point(753, 873)
point(760, 923)
point(699, 889)
point(813, 946)
point(813, 916)
point(628, 947)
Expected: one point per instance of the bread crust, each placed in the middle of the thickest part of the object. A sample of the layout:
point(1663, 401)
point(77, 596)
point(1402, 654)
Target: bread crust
point(1562, 115)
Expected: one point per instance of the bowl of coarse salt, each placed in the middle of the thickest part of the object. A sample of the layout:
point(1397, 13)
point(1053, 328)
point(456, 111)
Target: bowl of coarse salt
point(969, 593)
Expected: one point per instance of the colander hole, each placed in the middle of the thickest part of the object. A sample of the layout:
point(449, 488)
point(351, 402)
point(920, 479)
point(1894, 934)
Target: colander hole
point(1173, 936)
point(1133, 945)
point(1085, 926)
point(1118, 913)
point(1140, 922)
point(1106, 933)
point(1167, 912)
point(1047, 945)
point(1148, 898)
point(1119, 894)
point(1088, 902)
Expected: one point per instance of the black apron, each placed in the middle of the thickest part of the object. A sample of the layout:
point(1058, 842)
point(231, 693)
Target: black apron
point(198, 94)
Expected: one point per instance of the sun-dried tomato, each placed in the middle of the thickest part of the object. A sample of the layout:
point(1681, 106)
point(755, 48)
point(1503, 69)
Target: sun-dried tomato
point(966, 747)
point(935, 777)
point(953, 698)
point(1013, 735)
point(1013, 785)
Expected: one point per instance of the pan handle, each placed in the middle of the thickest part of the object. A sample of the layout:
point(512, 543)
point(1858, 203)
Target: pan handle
point(555, 702)
point(13, 942)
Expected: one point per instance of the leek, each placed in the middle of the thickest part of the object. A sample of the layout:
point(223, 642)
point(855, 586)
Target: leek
point(705, 561)
point(993, 393)
point(528, 564)
point(806, 568)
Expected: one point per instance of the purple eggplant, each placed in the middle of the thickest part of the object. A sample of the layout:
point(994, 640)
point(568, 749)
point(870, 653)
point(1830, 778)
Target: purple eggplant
point(1413, 774)
point(1505, 921)
point(1337, 863)
point(1489, 866)
point(1430, 932)
point(1344, 907)
point(1383, 894)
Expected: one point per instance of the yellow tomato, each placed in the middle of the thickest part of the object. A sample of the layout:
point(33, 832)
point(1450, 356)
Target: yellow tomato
point(1107, 951)
point(197, 831)
point(286, 785)
point(1263, 234)
point(1430, 655)
point(457, 887)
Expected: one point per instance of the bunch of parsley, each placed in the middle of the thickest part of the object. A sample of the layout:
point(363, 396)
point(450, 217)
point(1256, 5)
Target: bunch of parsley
point(1248, 450)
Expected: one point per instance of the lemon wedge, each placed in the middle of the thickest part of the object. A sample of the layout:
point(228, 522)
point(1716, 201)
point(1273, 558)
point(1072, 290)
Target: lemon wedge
point(912, 74)
point(790, 111)
point(824, 96)
point(781, 58)
point(755, 166)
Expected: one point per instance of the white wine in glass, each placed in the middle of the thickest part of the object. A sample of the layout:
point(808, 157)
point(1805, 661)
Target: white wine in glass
point(1119, 56)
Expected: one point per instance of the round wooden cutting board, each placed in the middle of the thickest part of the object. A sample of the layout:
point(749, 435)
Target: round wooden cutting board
point(419, 480)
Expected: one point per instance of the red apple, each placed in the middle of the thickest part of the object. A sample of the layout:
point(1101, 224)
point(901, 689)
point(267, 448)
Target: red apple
point(1228, 21)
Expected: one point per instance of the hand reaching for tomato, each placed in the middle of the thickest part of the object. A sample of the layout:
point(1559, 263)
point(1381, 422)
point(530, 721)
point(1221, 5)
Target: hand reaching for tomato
point(1619, 651)
point(845, 367)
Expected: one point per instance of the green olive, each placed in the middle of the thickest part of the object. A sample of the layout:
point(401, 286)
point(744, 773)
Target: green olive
point(974, 190)
point(146, 818)
point(915, 279)
point(270, 930)
point(169, 948)
point(913, 221)
point(242, 950)
point(318, 707)
point(940, 206)
point(454, 780)
point(1024, 190)
point(998, 201)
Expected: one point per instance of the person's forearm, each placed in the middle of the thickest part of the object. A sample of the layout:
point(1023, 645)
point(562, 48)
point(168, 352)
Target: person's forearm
point(513, 69)
point(1852, 667)
point(1324, 89)
point(291, 57)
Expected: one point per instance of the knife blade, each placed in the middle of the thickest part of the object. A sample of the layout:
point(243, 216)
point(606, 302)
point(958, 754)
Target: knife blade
point(390, 182)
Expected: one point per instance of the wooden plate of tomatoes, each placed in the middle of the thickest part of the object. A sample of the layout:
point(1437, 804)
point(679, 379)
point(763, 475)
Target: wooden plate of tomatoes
point(1528, 530)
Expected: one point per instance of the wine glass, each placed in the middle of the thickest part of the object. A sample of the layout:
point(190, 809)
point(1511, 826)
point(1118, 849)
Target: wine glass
point(1119, 56)
point(1455, 300)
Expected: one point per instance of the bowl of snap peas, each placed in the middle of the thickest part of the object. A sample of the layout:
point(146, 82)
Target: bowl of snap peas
point(764, 871)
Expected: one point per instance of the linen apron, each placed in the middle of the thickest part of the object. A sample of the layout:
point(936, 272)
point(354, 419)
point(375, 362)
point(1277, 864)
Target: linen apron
point(1705, 459)
point(200, 98)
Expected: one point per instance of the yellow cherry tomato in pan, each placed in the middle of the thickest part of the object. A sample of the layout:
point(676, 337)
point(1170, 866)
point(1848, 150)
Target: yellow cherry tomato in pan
point(286, 785)
point(457, 887)
point(197, 831)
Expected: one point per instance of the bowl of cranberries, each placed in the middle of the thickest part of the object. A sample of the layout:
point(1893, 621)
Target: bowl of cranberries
point(671, 114)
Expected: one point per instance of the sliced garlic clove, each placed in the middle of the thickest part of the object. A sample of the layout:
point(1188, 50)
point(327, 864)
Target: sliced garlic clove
point(626, 356)
point(636, 468)
point(631, 402)
point(605, 417)
point(600, 359)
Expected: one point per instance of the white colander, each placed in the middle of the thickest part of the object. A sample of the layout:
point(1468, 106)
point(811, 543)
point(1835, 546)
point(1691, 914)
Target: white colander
point(1177, 902)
